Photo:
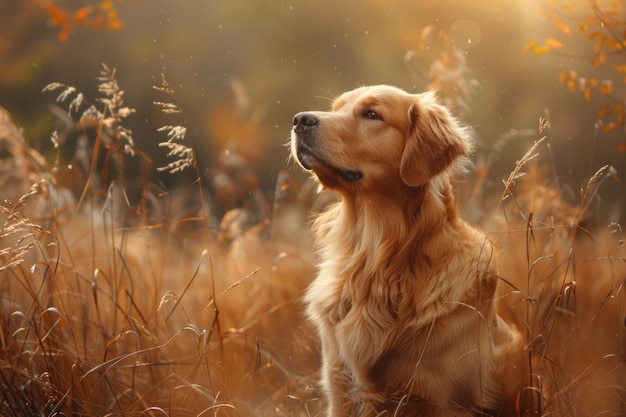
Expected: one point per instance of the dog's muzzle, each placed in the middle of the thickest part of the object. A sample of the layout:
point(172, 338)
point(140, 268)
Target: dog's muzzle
point(304, 128)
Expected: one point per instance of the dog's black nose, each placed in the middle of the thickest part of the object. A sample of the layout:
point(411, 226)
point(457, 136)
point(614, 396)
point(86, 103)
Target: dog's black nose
point(304, 121)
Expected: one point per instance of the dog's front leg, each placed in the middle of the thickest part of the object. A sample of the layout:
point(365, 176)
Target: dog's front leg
point(336, 380)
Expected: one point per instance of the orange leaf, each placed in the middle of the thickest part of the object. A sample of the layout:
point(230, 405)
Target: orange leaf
point(106, 5)
point(606, 87)
point(609, 126)
point(621, 148)
point(572, 85)
point(96, 23)
point(553, 43)
point(594, 35)
point(604, 110)
point(612, 44)
point(563, 27)
point(587, 94)
point(57, 15)
point(530, 46)
point(115, 25)
point(540, 50)
point(620, 68)
point(81, 15)
point(599, 59)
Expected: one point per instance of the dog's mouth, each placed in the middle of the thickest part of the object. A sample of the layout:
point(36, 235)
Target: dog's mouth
point(310, 161)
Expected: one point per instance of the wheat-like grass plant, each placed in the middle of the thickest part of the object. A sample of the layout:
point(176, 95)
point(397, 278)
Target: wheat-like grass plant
point(185, 155)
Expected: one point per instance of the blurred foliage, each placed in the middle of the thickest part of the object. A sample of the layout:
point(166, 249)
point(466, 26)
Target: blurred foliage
point(449, 73)
point(242, 68)
point(602, 27)
point(101, 16)
point(21, 42)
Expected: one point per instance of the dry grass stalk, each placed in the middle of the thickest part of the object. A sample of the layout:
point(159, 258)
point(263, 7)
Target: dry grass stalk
point(185, 155)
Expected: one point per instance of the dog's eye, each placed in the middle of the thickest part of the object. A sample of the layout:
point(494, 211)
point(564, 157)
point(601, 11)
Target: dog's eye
point(371, 114)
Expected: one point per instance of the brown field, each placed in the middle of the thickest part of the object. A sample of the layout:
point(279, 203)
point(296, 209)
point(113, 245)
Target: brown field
point(165, 308)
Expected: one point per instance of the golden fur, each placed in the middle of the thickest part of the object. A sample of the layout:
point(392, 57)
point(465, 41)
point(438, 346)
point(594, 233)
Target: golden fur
point(404, 297)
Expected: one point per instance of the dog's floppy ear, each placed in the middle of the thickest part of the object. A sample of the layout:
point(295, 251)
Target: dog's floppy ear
point(435, 140)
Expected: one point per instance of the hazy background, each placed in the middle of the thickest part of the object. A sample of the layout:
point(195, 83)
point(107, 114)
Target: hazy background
point(241, 69)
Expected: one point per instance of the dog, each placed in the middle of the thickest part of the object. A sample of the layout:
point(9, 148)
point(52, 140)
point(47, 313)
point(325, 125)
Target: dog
point(403, 300)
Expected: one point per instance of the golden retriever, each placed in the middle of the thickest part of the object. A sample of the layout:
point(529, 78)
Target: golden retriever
point(404, 297)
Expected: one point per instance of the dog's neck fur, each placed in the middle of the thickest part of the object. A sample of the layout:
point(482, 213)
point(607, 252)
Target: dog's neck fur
point(400, 225)
point(412, 215)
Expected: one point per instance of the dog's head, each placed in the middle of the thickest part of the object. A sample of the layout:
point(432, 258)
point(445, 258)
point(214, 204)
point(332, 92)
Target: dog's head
point(378, 136)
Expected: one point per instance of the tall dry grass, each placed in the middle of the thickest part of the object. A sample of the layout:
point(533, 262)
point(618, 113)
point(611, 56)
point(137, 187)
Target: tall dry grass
point(171, 307)
point(563, 286)
point(109, 309)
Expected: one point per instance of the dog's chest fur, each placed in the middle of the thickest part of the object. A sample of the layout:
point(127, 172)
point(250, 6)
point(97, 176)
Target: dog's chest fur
point(381, 304)
point(366, 299)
